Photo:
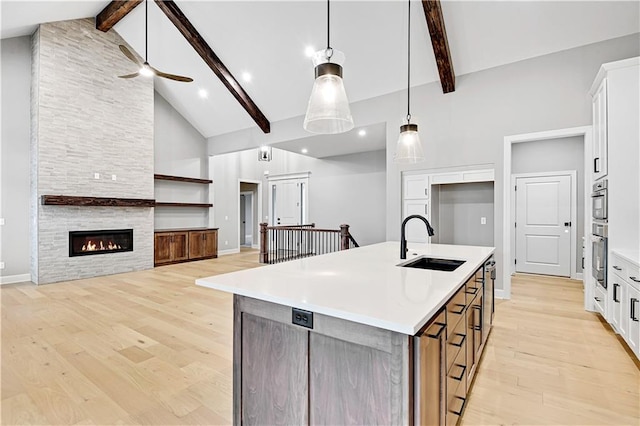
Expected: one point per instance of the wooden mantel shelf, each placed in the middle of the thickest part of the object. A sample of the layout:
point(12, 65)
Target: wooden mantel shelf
point(181, 179)
point(167, 204)
point(67, 200)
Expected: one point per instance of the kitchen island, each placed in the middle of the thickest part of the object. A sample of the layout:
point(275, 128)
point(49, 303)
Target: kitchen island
point(353, 338)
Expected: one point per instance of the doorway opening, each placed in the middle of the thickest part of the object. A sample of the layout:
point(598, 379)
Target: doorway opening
point(249, 208)
point(289, 200)
point(513, 166)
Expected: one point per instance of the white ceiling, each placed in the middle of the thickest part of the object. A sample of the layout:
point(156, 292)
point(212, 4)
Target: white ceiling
point(268, 39)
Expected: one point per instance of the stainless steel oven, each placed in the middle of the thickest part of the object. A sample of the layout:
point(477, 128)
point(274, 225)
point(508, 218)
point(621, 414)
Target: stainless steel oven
point(599, 200)
point(599, 253)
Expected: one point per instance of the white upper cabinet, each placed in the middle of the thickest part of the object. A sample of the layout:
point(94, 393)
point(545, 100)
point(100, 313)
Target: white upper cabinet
point(599, 157)
point(415, 187)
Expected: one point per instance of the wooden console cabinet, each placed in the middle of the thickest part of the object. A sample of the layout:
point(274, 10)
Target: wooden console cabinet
point(184, 245)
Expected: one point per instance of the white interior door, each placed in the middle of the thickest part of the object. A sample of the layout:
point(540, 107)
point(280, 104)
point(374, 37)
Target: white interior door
point(243, 222)
point(287, 202)
point(543, 220)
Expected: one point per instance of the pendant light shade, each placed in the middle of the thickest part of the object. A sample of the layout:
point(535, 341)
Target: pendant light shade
point(328, 111)
point(409, 149)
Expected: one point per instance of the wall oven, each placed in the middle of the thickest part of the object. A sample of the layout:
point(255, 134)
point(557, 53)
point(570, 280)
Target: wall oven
point(599, 254)
point(599, 200)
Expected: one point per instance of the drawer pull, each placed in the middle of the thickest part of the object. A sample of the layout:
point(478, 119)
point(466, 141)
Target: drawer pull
point(461, 376)
point(598, 299)
point(461, 309)
point(634, 315)
point(461, 342)
point(472, 290)
point(437, 335)
point(464, 401)
point(617, 268)
point(616, 286)
point(635, 279)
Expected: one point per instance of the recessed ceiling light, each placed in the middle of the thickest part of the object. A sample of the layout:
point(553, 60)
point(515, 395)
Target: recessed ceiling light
point(362, 132)
point(246, 77)
point(304, 150)
point(309, 51)
point(203, 93)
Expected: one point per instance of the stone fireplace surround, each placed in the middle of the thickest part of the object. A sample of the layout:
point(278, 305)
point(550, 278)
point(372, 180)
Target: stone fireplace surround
point(91, 136)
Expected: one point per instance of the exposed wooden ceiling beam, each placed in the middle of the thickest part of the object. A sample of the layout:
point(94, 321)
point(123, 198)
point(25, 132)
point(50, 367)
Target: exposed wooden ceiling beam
point(189, 32)
point(114, 12)
point(438, 33)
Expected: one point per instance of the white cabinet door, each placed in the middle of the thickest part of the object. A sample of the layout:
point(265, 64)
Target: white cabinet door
point(618, 294)
point(632, 313)
point(416, 231)
point(415, 187)
point(600, 135)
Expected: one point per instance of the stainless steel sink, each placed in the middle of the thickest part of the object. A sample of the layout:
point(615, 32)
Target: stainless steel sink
point(424, 262)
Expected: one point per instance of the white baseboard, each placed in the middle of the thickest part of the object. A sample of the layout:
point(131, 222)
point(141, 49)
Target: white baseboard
point(10, 279)
point(579, 276)
point(228, 251)
point(255, 246)
point(500, 294)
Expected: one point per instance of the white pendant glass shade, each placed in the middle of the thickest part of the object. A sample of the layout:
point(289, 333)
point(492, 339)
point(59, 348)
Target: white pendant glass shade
point(328, 111)
point(409, 149)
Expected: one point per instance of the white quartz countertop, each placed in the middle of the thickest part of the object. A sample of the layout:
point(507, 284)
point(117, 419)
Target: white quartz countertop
point(632, 256)
point(363, 285)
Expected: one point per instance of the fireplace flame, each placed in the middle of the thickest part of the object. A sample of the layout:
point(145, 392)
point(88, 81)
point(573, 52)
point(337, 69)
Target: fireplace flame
point(99, 246)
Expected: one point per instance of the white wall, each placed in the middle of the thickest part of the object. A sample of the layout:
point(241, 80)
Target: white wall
point(551, 156)
point(15, 168)
point(346, 189)
point(467, 127)
point(179, 150)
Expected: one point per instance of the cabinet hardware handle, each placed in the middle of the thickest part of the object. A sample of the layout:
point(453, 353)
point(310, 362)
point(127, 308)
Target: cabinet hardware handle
point(437, 335)
point(461, 309)
point(635, 279)
point(596, 161)
point(598, 299)
point(425, 210)
point(464, 369)
point(477, 326)
point(459, 344)
point(464, 401)
point(617, 268)
point(615, 292)
point(633, 309)
point(425, 192)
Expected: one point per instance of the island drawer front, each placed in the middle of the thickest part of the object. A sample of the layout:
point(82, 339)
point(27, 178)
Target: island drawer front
point(455, 310)
point(456, 399)
point(456, 369)
point(456, 342)
point(472, 288)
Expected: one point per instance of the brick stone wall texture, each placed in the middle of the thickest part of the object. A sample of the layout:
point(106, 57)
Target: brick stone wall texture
point(86, 120)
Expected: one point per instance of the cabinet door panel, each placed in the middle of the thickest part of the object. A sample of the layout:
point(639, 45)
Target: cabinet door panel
point(344, 390)
point(180, 246)
point(196, 244)
point(274, 373)
point(210, 243)
point(162, 248)
point(430, 402)
point(416, 187)
point(632, 312)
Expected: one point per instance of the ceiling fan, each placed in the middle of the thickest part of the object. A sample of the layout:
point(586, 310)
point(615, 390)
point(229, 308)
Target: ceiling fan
point(145, 69)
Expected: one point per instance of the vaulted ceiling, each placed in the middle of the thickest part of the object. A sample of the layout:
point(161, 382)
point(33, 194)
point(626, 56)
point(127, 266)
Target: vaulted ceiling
point(267, 39)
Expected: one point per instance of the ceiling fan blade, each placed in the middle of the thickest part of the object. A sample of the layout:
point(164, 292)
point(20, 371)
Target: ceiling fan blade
point(129, 75)
point(129, 55)
point(173, 76)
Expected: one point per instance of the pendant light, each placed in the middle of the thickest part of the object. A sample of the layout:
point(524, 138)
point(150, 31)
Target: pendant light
point(328, 110)
point(409, 149)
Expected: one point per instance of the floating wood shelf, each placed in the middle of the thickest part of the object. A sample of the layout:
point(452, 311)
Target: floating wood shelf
point(67, 200)
point(182, 179)
point(166, 204)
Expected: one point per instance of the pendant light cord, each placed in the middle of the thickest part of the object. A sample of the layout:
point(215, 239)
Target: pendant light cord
point(146, 29)
point(329, 51)
point(409, 63)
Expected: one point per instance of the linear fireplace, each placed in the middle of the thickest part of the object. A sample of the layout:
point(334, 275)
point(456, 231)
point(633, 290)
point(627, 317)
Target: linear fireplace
point(84, 243)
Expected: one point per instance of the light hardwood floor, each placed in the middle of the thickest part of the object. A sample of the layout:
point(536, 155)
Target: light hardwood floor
point(152, 348)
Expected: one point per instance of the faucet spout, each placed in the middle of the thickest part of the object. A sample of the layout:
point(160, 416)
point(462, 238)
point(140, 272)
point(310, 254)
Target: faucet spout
point(403, 239)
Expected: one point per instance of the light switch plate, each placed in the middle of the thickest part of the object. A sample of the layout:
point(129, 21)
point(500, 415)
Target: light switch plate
point(1, 221)
point(96, 175)
point(113, 177)
point(483, 221)
point(1, 265)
